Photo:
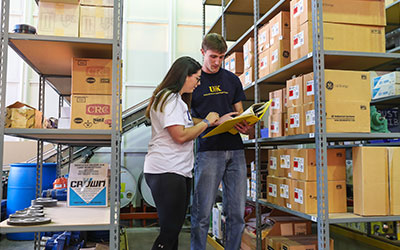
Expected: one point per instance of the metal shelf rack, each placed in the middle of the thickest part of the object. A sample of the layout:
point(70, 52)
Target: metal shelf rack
point(239, 31)
point(50, 57)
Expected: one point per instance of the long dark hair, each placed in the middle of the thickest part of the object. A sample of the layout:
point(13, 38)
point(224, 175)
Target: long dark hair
point(173, 83)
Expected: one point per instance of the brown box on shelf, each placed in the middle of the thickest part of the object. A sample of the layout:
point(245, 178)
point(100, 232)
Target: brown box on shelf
point(292, 244)
point(304, 196)
point(248, 61)
point(248, 77)
point(284, 98)
point(285, 157)
point(272, 194)
point(284, 188)
point(263, 38)
point(294, 91)
point(58, 19)
point(273, 159)
point(394, 180)
point(370, 181)
point(348, 117)
point(249, 240)
point(275, 125)
point(277, 101)
point(263, 63)
point(279, 27)
point(20, 115)
point(279, 54)
point(343, 37)
point(285, 124)
point(303, 166)
point(61, 1)
point(340, 11)
point(241, 78)
point(309, 118)
point(248, 47)
point(236, 63)
point(91, 111)
point(104, 3)
point(96, 22)
point(296, 120)
point(91, 76)
point(308, 88)
point(289, 226)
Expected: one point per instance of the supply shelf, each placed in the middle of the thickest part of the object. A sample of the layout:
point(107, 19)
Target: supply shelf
point(65, 218)
point(390, 101)
point(392, 16)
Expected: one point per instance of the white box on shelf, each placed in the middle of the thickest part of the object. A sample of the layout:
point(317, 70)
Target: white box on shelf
point(386, 85)
point(64, 123)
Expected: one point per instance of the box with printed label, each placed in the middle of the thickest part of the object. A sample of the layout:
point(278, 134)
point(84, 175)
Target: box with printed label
point(291, 244)
point(303, 166)
point(273, 162)
point(58, 19)
point(279, 54)
point(343, 37)
point(285, 124)
point(370, 181)
point(248, 47)
point(227, 61)
point(283, 192)
point(289, 226)
point(304, 196)
point(248, 77)
point(263, 38)
point(275, 125)
point(21, 115)
point(294, 91)
point(348, 117)
point(308, 88)
point(309, 117)
point(279, 27)
point(272, 193)
point(263, 63)
point(88, 185)
point(285, 157)
point(386, 85)
point(236, 63)
point(248, 61)
point(394, 180)
point(91, 76)
point(106, 3)
point(340, 11)
point(296, 120)
point(90, 111)
point(277, 101)
point(96, 22)
point(284, 98)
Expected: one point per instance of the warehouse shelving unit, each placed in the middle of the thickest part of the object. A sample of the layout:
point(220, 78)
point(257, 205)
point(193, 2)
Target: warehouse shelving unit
point(50, 57)
point(239, 30)
point(393, 21)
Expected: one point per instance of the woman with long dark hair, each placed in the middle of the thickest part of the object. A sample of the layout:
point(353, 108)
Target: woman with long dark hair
point(169, 162)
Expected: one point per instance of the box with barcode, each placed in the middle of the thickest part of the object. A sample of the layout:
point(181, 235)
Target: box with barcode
point(88, 185)
point(294, 91)
point(275, 125)
point(272, 162)
point(279, 27)
point(285, 157)
point(308, 88)
point(272, 193)
point(296, 120)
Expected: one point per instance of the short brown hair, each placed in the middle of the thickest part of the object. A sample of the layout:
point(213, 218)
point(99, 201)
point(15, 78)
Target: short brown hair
point(215, 42)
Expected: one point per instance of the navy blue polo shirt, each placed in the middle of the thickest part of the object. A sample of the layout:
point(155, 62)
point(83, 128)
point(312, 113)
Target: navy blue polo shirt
point(217, 93)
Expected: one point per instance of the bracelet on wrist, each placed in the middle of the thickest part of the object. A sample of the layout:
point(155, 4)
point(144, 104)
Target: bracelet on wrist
point(207, 122)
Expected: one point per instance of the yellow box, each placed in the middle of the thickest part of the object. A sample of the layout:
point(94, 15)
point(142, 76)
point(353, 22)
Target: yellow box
point(370, 181)
point(279, 27)
point(263, 38)
point(340, 11)
point(296, 120)
point(345, 37)
point(20, 115)
point(91, 76)
point(348, 117)
point(91, 111)
point(263, 63)
point(294, 91)
point(96, 22)
point(394, 180)
point(104, 3)
point(58, 19)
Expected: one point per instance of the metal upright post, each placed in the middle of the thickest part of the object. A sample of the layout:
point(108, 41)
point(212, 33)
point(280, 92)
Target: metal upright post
point(59, 146)
point(116, 127)
point(223, 28)
point(320, 126)
point(204, 19)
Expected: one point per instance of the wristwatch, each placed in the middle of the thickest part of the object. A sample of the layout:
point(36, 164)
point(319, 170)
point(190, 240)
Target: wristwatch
point(207, 122)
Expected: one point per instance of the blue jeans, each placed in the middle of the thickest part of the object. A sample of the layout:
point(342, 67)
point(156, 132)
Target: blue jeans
point(210, 168)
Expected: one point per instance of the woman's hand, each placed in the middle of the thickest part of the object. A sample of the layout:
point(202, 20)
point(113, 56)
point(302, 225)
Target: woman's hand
point(213, 118)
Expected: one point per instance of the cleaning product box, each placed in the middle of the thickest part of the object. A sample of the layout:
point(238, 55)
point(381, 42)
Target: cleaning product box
point(58, 19)
point(20, 115)
point(386, 85)
point(370, 181)
point(96, 22)
point(88, 185)
point(394, 180)
point(276, 106)
point(294, 91)
point(279, 54)
point(91, 111)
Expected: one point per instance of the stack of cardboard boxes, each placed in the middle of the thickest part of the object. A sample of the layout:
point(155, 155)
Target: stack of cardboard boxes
point(74, 18)
point(277, 113)
point(292, 179)
point(248, 60)
point(234, 63)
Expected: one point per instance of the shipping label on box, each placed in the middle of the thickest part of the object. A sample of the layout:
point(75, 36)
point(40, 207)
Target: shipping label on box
point(275, 125)
point(236, 63)
point(309, 115)
point(294, 89)
point(248, 77)
point(91, 112)
point(279, 54)
point(96, 22)
point(277, 101)
point(263, 63)
point(308, 88)
point(88, 185)
point(272, 162)
point(386, 85)
point(20, 115)
point(295, 117)
point(58, 19)
point(248, 47)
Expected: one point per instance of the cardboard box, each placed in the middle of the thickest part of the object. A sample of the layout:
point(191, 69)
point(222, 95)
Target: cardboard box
point(227, 62)
point(340, 11)
point(273, 162)
point(91, 76)
point(58, 19)
point(248, 47)
point(304, 196)
point(309, 117)
point(272, 193)
point(386, 85)
point(304, 165)
point(348, 117)
point(61, 1)
point(277, 101)
point(298, 245)
point(284, 187)
point(289, 226)
point(394, 180)
point(20, 115)
point(263, 38)
point(248, 61)
point(370, 181)
point(236, 65)
point(294, 91)
point(285, 157)
point(285, 124)
point(279, 27)
point(104, 3)
point(248, 76)
point(279, 54)
point(296, 120)
point(263, 64)
point(284, 100)
point(249, 240)
point(275, 124)
point(91, 112)
point(241, 78)
point(308, 88)
point(96, 22)
point(343, 37)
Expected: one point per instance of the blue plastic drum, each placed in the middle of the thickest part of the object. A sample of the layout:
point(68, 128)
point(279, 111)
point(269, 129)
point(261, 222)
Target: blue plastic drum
point(21, 189)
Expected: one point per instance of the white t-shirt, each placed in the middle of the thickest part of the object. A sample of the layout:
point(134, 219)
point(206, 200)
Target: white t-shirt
point(164, 154)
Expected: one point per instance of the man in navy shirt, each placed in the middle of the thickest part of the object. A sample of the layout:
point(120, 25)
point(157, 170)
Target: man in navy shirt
point(219, 157)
